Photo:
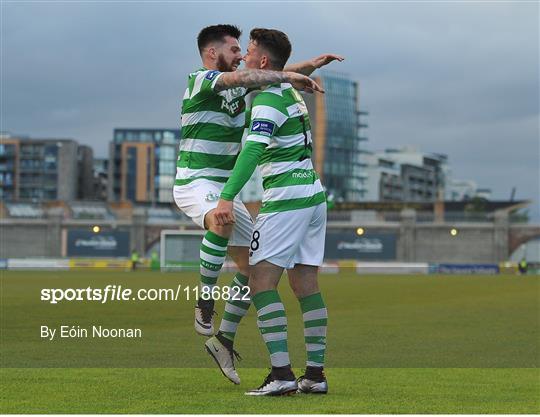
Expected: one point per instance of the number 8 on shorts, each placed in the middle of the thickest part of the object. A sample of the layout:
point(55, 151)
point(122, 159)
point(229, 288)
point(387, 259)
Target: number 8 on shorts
point(255, 240)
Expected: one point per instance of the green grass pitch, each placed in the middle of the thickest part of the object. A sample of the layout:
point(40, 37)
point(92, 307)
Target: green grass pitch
point(396, 344)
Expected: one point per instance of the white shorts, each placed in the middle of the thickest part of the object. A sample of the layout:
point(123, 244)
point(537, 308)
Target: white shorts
point(290, 237)
point(200, 196)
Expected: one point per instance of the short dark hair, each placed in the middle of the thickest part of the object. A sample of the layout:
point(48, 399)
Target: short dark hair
point(216, 33)
point(275, 42)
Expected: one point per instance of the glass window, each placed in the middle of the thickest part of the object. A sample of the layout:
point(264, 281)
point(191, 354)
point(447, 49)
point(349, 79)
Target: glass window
point(168, 137)
point(167, 167)
point(131, 177)
point(167, 152)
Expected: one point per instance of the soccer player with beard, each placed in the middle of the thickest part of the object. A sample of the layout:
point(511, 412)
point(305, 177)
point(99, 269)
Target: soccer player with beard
point(212, 126)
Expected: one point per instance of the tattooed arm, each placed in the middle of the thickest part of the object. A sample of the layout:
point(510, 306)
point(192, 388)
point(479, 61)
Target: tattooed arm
point(259, 78)
point(307, 67)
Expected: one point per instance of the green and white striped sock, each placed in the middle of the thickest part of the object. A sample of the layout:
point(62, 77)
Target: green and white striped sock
point(235, 309)
point(315, 318)
point(272, 324)
point(213, 253)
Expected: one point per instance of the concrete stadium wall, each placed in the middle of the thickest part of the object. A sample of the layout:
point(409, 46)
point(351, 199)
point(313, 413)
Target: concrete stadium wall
point(473, 243)
point(415, 241)
point(25, 240)
point(432, 242)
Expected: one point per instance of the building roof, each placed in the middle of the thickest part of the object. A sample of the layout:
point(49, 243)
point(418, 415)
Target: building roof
point(449, 206)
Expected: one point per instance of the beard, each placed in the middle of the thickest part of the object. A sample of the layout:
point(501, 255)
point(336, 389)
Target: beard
point(224, 66)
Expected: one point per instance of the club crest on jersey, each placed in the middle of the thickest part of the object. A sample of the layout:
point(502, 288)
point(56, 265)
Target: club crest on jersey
point(262, 127)
point(211, 75)
point(211, 197)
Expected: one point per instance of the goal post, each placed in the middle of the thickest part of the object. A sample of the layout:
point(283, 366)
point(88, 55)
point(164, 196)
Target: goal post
point(180, 249)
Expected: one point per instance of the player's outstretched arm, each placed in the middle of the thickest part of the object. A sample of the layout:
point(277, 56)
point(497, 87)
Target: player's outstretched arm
point(260, 78)
point(307, 67)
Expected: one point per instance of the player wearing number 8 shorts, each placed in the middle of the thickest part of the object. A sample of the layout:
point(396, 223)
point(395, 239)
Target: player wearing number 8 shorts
point(213, 121)
point(289, 232)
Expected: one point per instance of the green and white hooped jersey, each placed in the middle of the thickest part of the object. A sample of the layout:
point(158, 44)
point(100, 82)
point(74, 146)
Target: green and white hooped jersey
point(212, 127)
point(279, 119)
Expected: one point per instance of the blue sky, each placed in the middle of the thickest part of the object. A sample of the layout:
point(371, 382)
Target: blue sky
point(460, 78)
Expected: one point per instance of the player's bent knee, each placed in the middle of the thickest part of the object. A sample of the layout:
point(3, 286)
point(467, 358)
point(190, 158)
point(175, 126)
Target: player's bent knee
point(224, 231)
point(211, 225)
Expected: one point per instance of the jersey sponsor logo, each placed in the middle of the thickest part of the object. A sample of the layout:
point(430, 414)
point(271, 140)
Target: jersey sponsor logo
point(233, 100)
point(232, 108)
point(233, 93)
point(211, 75)
point(236, 92)
point(262, 127)
point(304, 175)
